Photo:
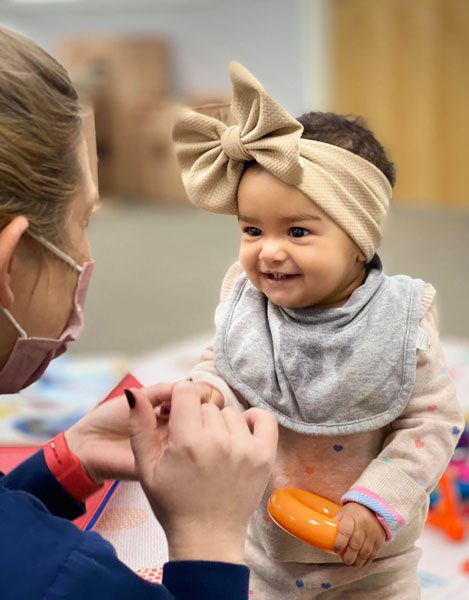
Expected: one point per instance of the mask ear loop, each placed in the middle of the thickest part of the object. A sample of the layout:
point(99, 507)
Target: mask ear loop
point(14, 322)
point(65, 257)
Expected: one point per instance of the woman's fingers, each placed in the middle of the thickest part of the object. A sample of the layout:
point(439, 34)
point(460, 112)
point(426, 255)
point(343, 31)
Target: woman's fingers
point(186, 415)
point(255, 424)
point(143, 431)
point(159, 393)
point(264, 427)
point(212, 420)
point(235, 423)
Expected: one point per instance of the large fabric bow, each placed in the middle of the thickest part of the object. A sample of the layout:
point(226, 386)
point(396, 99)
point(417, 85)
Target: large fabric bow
point(213, 156)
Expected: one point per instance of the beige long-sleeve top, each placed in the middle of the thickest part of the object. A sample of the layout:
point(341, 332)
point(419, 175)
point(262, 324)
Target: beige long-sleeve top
point(391, 470)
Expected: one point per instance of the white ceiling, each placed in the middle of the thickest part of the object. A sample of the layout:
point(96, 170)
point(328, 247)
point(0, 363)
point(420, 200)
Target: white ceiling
point(23, 7)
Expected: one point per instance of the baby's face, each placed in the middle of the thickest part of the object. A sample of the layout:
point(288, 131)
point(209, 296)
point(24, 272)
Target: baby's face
point(291, 250)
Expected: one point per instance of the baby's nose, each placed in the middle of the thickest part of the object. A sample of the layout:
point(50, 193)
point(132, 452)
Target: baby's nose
point(272, 251)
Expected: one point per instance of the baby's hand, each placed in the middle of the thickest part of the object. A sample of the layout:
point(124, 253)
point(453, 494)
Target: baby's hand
point(208, 395)
point(360, 535)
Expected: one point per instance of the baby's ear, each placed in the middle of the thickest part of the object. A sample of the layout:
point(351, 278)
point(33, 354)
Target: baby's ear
point(360, 256)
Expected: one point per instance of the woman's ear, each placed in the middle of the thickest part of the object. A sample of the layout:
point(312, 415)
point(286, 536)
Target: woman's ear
point(10, 237)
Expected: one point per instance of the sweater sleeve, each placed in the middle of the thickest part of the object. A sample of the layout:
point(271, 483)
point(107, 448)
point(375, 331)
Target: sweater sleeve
point(396, 484)
point(33, 476)
point(205, 370)
point(94, 571)
point(43, 556)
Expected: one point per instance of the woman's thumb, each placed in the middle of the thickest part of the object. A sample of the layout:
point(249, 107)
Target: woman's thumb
point(143, 434)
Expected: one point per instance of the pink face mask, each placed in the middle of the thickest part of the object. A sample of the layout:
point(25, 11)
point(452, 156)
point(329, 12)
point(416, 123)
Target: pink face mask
point(31, 356)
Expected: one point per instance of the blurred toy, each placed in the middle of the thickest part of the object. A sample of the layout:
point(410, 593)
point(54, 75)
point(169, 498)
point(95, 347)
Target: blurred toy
point(446, 512)
point(449, 506)
point(465, 567)
point(306, 516)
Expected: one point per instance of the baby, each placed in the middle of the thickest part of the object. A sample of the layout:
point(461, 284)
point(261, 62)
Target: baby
point(310, 327)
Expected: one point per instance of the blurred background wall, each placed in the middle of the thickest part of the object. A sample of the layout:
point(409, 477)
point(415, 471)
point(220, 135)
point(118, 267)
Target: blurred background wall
point(273, 38)
point(404, 65)
point(160, 261)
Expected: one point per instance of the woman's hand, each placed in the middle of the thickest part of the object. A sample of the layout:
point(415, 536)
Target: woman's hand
point(205, 473)
point(101, 438)
point(208, 394)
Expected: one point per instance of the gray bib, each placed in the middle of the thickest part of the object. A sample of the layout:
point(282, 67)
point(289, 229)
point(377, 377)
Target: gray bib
point(324, 371)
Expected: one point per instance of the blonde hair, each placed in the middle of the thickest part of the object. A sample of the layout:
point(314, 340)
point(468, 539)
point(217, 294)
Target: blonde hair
point(40, 127)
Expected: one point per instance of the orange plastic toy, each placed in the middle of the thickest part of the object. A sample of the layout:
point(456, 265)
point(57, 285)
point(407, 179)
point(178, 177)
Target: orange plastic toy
point(447, 514)
point(305, 515)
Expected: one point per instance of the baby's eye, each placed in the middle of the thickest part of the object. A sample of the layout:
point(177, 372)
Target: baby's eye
point(252, 231)
point(299, 232)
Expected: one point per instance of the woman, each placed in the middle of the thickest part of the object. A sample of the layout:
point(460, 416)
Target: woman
point(191, 467)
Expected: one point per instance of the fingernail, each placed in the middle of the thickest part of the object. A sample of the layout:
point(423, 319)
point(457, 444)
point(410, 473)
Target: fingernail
point(130, 398)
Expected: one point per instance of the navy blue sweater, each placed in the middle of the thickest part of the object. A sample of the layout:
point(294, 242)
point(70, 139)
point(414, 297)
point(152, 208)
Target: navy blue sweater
point(45, 557)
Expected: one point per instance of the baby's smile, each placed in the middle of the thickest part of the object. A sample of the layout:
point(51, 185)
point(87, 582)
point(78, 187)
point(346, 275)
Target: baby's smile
point(279, 277)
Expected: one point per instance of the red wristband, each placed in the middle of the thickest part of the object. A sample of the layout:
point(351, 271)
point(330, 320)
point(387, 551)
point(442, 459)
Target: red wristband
point(68, 470)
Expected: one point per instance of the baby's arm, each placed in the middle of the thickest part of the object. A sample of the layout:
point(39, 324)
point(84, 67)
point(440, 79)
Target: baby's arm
point(396, 485)
point(212, 388)
point(210, 384)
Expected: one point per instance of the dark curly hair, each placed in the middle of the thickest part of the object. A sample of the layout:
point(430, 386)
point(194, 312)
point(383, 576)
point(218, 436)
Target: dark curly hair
point(348, 132)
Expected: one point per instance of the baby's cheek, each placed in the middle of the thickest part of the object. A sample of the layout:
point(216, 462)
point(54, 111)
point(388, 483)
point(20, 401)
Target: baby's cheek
point(242, 257)
point(248, 259)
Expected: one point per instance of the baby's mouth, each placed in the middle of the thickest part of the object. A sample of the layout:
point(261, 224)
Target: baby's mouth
point(280, 276)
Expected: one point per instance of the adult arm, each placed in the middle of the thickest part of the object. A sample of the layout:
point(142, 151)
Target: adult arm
point(47, 557)
point(34, 477)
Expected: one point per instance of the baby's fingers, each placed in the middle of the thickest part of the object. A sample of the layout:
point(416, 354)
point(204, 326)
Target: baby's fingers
point(365, 554)
point(350, 539)
point(209, 394)
point(354, 547)
point(374, 551)
point(346, 528)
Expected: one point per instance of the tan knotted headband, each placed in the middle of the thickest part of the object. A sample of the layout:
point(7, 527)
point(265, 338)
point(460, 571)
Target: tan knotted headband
point(212, 156)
